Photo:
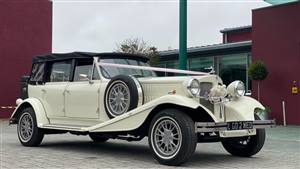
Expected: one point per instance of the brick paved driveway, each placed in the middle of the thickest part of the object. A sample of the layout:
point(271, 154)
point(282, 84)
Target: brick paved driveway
point(282, 150)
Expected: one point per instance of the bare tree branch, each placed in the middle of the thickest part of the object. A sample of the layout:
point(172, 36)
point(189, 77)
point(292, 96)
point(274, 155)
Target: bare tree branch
point(139, 46)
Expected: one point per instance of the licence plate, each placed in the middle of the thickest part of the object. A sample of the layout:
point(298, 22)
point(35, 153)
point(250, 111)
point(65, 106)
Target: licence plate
point(239, 125)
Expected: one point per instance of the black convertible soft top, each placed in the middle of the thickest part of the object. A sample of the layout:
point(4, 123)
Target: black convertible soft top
point(65, 56)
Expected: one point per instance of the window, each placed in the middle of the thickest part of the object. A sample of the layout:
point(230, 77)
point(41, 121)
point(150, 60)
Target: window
point(233, 67)
point(202, 64)
point(83, 71)
point(109, 72)
point(173, 64)
point(60, 71)
point(37, 73)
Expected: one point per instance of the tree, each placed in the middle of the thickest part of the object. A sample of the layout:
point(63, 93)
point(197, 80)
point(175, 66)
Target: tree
point(153, 56)
point(258, 72)
point(139, 46)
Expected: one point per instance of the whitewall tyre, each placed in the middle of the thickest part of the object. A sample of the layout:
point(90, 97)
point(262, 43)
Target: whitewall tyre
point(123, 93)
point(28, 132)
point(172, 138)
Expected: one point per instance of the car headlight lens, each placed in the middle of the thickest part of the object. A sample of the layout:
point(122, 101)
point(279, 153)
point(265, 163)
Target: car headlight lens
point(236, 89)
point(193, 87)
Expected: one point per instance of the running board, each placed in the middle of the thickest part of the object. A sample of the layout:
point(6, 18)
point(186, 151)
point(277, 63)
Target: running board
point(65, 127)
point(113, 125)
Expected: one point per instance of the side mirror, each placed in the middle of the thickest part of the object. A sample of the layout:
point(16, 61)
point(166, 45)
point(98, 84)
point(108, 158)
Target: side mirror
point(83, 77)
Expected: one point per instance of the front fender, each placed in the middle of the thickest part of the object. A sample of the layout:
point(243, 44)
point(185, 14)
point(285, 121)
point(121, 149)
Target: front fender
point(136, 117)
point(41, 117)
point(181, 101)
point(241, 109)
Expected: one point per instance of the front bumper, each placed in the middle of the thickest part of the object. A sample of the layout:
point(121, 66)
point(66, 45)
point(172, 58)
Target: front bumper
point(202, 127)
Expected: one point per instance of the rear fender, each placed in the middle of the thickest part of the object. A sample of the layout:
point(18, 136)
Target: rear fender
point(41, 117)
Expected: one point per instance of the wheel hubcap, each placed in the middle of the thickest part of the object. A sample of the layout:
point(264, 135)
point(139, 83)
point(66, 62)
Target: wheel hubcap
point(26, 127)
point(119, 99)
point(166, 138)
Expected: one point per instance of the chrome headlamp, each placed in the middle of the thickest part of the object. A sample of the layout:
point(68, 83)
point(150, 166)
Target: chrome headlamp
point(236, 89)
point(193, 87)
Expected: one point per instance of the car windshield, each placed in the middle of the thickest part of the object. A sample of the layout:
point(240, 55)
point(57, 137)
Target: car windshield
point(109, 71)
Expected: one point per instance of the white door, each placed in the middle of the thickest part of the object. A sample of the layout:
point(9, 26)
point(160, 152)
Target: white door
point(53, 99)
point(54, 90)
point(82, 100)
point(82, 95)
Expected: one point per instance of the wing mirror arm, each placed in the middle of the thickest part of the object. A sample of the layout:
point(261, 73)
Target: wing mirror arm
point(84, 77)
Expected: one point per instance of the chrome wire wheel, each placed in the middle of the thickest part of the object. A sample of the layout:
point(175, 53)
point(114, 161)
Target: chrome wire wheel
point(118, 98)
point(28, 132)
point(25, 127)
point(166, 137)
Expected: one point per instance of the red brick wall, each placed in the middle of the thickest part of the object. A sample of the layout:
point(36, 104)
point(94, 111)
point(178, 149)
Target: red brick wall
point(276, 41)
point(25, 30)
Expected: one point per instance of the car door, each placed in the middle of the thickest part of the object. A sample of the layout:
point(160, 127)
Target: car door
point(53, 91)
point(82, 95)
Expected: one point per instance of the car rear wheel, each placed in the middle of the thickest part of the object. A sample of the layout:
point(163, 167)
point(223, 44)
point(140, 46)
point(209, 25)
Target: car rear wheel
point(28, 132)
point(172, 138)
point(246, 146)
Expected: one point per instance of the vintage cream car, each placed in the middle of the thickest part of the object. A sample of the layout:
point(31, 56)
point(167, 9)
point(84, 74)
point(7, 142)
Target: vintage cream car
point(118, 96)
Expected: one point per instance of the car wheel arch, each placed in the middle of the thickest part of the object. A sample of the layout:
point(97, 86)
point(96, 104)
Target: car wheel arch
point(195, 114)
point(38, 108)
point(16, 115)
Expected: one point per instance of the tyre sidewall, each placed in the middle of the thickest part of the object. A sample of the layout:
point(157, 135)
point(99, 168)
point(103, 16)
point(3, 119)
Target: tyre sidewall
point(37, 135)
point(189, 137)
point(133, 93)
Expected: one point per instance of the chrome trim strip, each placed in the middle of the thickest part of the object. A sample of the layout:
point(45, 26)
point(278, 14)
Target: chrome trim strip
point(64, 127)
point(140, 91)
point(189, 86)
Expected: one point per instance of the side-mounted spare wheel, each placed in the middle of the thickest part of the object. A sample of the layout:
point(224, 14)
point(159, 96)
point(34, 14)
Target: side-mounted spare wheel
point(123, 93)
point(172, 138)
point(28, 132)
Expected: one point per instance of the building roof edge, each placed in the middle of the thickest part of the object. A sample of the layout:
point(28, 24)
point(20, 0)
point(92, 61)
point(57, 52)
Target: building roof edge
point(208, 47)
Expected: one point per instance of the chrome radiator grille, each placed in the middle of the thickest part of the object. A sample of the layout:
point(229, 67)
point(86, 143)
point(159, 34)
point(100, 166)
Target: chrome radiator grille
point(205, 88)
point(204, 91)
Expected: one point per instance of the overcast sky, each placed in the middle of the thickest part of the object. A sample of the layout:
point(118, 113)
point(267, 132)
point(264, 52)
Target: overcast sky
point(98, 25)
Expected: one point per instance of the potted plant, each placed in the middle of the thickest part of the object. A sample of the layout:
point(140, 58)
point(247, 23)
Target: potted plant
point(258, 72)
